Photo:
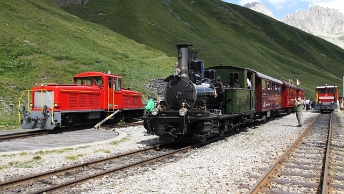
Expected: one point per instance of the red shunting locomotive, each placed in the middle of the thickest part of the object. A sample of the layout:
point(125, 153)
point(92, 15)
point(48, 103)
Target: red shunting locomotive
point(92, 97)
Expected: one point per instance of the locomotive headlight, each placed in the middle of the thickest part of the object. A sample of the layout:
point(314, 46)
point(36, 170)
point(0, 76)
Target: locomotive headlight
point(183, 111)
point(155, 111)
point(332, 102)
point(31, 105)
point(319, 102)
point(57, 104)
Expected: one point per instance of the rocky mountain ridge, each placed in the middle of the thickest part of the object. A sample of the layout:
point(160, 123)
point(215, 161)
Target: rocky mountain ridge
point(260, 8)
point(323, 22)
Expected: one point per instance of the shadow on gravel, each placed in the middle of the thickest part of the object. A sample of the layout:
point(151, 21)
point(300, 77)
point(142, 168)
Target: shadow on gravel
point(290, 125)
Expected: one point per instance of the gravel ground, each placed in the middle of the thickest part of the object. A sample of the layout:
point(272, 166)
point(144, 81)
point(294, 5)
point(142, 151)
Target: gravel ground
point(220, 167)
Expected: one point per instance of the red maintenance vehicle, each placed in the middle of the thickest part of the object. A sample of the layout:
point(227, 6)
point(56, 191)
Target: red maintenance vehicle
point(326, 98)
point(92, 97)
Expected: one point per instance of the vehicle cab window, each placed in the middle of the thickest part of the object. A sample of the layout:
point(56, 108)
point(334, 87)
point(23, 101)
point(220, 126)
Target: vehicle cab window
point(117, 84)
point(88, 81)
point(234, 80)
point(78, 81)
point(98, 81)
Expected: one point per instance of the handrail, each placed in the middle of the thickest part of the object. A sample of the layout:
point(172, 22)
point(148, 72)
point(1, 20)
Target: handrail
point(42, 106)
point(45, 84)
point(78, 91)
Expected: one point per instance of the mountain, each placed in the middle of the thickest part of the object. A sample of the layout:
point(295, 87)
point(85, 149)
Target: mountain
point(256, 6)
point(323, 22)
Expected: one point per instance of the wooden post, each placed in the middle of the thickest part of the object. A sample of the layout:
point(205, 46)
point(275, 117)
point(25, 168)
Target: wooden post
point(108, 117)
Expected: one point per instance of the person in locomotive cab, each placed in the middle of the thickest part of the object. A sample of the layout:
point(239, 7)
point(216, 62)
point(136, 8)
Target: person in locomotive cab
point(150, 105)
point(298, 107)
point(249, 83)
point(236, 84)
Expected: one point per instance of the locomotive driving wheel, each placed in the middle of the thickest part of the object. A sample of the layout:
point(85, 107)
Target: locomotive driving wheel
point(221, 133)
point(202, 138)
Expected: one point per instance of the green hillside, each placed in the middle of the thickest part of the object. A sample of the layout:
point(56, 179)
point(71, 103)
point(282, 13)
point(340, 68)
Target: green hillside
point(225, 33)
point(41, 42)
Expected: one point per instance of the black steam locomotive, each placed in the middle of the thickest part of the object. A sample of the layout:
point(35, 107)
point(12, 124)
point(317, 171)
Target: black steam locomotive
point(200, 103)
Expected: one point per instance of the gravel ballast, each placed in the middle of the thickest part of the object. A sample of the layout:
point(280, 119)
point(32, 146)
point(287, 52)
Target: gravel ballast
point(220, 167)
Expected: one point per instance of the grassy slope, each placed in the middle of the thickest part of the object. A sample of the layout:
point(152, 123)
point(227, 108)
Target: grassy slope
point(41, 43)
point(225, 33)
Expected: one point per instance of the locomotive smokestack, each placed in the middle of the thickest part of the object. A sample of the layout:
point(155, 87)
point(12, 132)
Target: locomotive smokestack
point(183, 56)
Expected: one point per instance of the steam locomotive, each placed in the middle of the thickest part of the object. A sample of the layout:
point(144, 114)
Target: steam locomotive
point(202, 102)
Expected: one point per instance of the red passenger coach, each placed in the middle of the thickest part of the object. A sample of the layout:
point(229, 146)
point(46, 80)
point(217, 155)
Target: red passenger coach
point(326, 98)
point(300, 92)
point(92, 97)
point(289, 93)
point(268, 95)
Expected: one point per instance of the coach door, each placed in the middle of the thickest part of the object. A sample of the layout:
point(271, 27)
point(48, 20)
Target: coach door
point(114, 98)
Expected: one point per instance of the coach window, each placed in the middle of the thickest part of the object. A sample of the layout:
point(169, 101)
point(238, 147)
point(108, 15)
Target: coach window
point(269, 87)
point(278, 90)
point(263, 86)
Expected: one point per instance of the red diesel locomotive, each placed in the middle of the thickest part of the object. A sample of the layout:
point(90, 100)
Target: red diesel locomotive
point(326, 98)
point(92, 97)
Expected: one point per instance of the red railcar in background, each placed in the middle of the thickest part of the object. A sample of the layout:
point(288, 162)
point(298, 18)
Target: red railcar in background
point(326, 98)
point(300, 92)
point(92, 97)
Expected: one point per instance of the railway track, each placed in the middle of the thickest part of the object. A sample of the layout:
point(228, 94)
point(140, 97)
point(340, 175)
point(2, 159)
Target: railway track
point(313, 164)
point(28, 134)
point(63, 179)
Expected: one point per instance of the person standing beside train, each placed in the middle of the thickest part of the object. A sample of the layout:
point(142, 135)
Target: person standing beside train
point(150, 105)
point(298, 108)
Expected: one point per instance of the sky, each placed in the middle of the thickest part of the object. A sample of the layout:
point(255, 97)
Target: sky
point(281, 8)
